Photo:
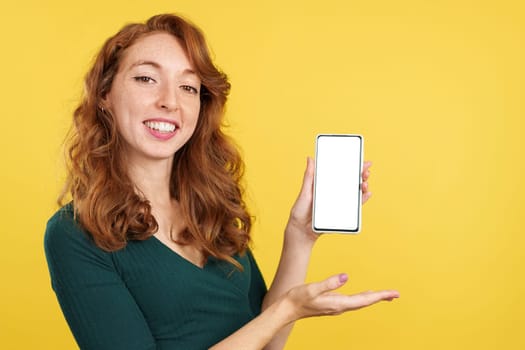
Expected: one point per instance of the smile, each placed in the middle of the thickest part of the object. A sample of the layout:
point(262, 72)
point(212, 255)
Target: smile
point(163, 127)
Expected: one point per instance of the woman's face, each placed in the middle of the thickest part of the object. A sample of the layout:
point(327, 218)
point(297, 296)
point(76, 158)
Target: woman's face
point(154, 98)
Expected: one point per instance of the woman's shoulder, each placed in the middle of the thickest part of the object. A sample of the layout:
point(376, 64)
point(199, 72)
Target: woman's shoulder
point(62, 224)
point(64, 234)
point(63, 215)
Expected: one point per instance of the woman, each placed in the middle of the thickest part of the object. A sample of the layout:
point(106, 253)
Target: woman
point(152, 253)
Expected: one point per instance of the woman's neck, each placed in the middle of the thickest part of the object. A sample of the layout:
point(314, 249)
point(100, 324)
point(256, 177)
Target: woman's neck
point(152, 179)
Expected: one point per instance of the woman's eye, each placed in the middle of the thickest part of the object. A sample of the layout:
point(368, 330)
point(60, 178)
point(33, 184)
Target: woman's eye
point(190, 89)
point(144, 79)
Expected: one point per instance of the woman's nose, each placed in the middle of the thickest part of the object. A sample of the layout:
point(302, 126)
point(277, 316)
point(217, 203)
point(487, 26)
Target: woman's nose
point(168, 98)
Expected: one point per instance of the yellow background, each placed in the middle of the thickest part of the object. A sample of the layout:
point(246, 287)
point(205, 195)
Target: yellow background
point(435, 87)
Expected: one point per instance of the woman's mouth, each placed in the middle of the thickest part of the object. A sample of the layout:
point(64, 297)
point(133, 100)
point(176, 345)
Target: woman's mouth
point(162, 130)
point(162, 127)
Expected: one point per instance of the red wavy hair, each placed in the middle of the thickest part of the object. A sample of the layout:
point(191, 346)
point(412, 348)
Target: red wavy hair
point(206, 172)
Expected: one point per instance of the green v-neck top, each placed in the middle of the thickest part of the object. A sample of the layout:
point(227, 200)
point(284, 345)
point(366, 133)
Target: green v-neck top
point(146, 296)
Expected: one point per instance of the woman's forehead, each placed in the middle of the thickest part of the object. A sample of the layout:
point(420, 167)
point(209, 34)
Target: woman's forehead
point(159, 50)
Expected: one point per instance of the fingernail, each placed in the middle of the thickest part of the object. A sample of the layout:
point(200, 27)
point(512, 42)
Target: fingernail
point(343, 277)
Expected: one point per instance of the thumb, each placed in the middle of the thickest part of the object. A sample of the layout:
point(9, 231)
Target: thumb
point(308, 178)
point(329, 284)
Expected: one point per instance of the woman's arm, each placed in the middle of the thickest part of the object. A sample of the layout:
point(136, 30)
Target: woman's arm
point(307, 300)
point(97, 305)
point(299, 240)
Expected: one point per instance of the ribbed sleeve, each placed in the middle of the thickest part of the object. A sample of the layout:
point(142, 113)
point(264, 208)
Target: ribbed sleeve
point(96, 304)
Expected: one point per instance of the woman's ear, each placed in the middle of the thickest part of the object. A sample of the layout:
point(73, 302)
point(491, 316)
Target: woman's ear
point(105, 103)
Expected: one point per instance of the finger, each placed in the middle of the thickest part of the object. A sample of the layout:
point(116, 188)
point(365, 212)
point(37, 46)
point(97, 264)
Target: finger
point(329, 284)
point(304, 200)
point(366, 192)
point(308, 178)
point(366, 196)
point(365, 174)
point(364, 299)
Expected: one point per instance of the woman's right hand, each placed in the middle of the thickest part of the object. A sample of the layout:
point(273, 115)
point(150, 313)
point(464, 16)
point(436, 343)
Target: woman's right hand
point(318, 299)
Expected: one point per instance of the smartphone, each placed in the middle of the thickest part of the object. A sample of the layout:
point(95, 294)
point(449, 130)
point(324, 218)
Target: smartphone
point(337, 183)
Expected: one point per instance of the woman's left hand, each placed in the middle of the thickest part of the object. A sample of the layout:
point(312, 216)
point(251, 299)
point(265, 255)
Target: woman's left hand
point(300, 221)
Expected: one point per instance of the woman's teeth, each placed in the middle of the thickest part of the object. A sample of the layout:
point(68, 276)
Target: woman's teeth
point(161, 126)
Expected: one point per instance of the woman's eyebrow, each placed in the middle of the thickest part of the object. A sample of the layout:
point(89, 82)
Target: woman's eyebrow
point(145, 63)
point(187, 71)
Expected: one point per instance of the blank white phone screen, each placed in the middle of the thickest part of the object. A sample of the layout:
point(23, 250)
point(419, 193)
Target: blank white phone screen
point(337, 195)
